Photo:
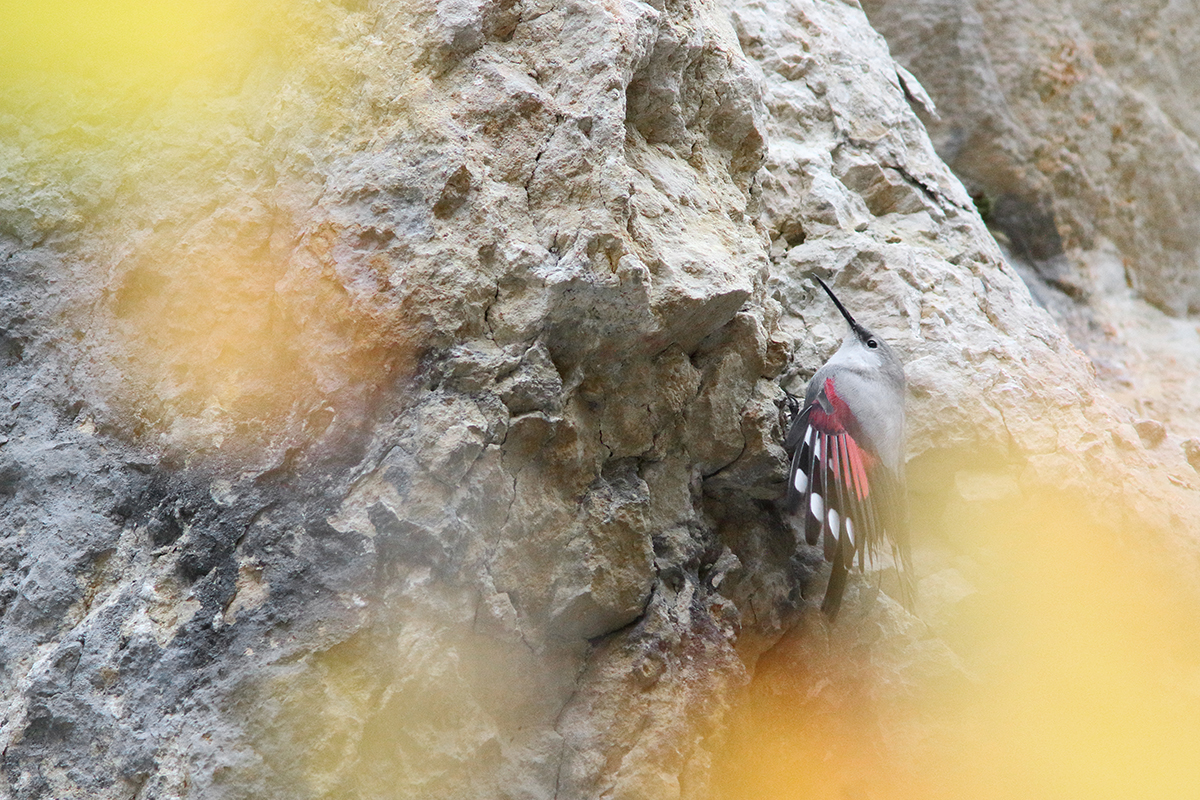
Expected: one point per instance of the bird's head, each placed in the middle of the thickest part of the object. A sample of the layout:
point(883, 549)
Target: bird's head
point(861, 348)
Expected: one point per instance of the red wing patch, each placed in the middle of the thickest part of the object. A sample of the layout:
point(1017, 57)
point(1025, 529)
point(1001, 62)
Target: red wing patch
point(833, 485)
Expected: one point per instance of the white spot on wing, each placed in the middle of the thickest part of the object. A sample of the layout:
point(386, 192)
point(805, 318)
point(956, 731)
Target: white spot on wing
point(817, 506)
point(834, 520)
point(850, 531)
point(800, 481)
point(808, 435)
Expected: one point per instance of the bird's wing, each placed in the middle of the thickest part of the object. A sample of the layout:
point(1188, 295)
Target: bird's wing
point(841, 488)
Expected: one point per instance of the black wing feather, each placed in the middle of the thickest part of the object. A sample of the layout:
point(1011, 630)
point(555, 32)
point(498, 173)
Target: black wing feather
point(879, 515)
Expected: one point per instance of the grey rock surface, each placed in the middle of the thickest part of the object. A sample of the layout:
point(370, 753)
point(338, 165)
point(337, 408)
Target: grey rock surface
point(393, 410)
point(1074, 125)
point(360, 396)
point(1074, 120)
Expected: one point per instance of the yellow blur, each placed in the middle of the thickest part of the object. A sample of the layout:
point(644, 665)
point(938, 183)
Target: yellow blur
point(175, 150)
point(1072, 671)
point(116, 39)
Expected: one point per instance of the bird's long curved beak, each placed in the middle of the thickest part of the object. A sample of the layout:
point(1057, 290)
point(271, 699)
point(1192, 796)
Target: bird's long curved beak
point(837, 303)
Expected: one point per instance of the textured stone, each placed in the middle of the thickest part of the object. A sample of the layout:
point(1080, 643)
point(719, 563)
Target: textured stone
point(1066, 128)
point(1074, 128)
point(393, 408)
point(380, 362)
point(1151, 431)
point(1008, 429)
point(1191, 451)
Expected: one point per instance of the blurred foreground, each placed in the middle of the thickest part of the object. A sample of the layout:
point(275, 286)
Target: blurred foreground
point(1079, 675)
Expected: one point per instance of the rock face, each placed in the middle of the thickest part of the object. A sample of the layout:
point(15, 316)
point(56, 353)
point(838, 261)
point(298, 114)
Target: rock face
point(392, 408)
point(1075, 122)
point(1075, 126)
point(360, 396)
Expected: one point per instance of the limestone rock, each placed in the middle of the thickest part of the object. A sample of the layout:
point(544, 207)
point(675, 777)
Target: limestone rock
point(1191, 451)
point(1074, 128)
point(1067, 128)
point(353, 429)
point(1013, 445)
point(392, 407)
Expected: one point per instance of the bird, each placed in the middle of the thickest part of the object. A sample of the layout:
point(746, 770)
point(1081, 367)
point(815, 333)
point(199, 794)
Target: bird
point(847, 458)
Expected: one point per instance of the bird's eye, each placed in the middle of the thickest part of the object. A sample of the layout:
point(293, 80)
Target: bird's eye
point(871, 343)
